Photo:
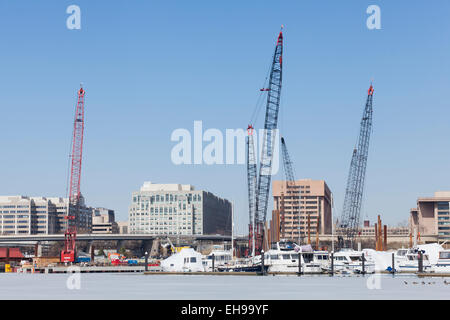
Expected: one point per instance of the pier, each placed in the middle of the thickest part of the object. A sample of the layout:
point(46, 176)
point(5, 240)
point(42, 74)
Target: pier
point(87, 269)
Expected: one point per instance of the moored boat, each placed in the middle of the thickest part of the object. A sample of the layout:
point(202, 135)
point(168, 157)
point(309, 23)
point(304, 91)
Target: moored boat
point(443, 263)
point(187, 260)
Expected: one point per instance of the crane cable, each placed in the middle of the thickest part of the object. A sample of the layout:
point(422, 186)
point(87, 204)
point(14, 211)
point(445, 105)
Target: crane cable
point(260, 100)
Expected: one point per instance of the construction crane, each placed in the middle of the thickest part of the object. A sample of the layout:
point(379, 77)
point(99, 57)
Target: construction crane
point(68, 254)
point(350, 218)
point(252, 180)
point(287, 163)
point(290, 184)
point(260, 199)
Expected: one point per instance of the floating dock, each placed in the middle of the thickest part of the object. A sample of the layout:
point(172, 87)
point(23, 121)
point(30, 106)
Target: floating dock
point(435, 275)
point(87, 269)
point(202, 273)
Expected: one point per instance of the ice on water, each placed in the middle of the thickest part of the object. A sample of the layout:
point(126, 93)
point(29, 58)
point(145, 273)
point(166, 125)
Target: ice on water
point(139, 286)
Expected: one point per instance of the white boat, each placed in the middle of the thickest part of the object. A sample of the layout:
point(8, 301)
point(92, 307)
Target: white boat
point(405, 259)
point(432, 251)
point(381, 259)
point(283, 258)
point(351, 261)
point(408, 260)
point(443, 263)
point(222, 258)
point(316, 259)
point(187, 260)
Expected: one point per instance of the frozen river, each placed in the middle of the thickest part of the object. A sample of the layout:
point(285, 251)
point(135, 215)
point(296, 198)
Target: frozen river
point(139, 286)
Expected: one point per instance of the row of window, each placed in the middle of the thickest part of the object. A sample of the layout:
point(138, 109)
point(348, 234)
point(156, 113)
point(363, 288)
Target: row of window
point(168, 198)
point(164, 223)
point(165, 219)
point(156, 233)
point(15, 211)
point(299, 187)
point(161, 229)
point(13, 227)
point(13, 207)
point(160, 215)
point(301, 197)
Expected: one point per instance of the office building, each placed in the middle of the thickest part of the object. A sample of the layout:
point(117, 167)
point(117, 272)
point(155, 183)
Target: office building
point(305, 200)
point(24, 215)
point(123, 227)
point(175, 209)
point(39, 215)
point(103, 221)
point(431, 217)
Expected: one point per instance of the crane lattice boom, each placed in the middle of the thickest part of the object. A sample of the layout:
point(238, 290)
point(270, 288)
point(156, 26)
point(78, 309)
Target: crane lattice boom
point(350, 219)
point(287, 163)
point(77, 151)
point(69, 252)
point(269, 136)
point(251, 179)
point(290, 185)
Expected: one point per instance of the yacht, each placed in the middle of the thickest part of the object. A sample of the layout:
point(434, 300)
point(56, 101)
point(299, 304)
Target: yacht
point(408, 260)
point(351, 261)
point(443, 263)
point(222, 258)
point(283, 258)
point(243, 265)
point(186, 260)
point(405, 259)
point(317, 257)
point(381, 259)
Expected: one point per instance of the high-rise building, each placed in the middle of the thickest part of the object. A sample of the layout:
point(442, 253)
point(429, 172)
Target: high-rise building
point(431, 217)
point(39, 215)
point(305, 200)
point(24, 215)
point(123, 226)
point(103, 221)
point(83, 219)
point(175, 209)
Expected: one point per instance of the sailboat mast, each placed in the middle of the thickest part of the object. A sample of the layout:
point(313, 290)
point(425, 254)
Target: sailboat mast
point(232, 230)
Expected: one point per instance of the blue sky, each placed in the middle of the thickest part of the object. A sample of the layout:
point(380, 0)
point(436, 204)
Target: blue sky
point(150, 67)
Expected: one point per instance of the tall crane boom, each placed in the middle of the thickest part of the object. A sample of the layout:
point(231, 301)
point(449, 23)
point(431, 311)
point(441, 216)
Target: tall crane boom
point(69, 252)
point(290, 183)
point(287, 163)
point(350, 219)
point(270, 125)
point(77, 151)
point(251, 183)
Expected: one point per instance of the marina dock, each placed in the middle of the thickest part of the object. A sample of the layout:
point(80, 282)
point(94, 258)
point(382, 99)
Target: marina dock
point(202, 273)
point(434, 275)
point(87, 269)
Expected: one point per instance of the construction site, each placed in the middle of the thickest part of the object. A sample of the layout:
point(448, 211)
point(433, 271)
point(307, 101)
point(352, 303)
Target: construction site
point(302, 215)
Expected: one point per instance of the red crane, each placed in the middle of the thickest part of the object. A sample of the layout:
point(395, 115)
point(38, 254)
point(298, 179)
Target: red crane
point(68, 254)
